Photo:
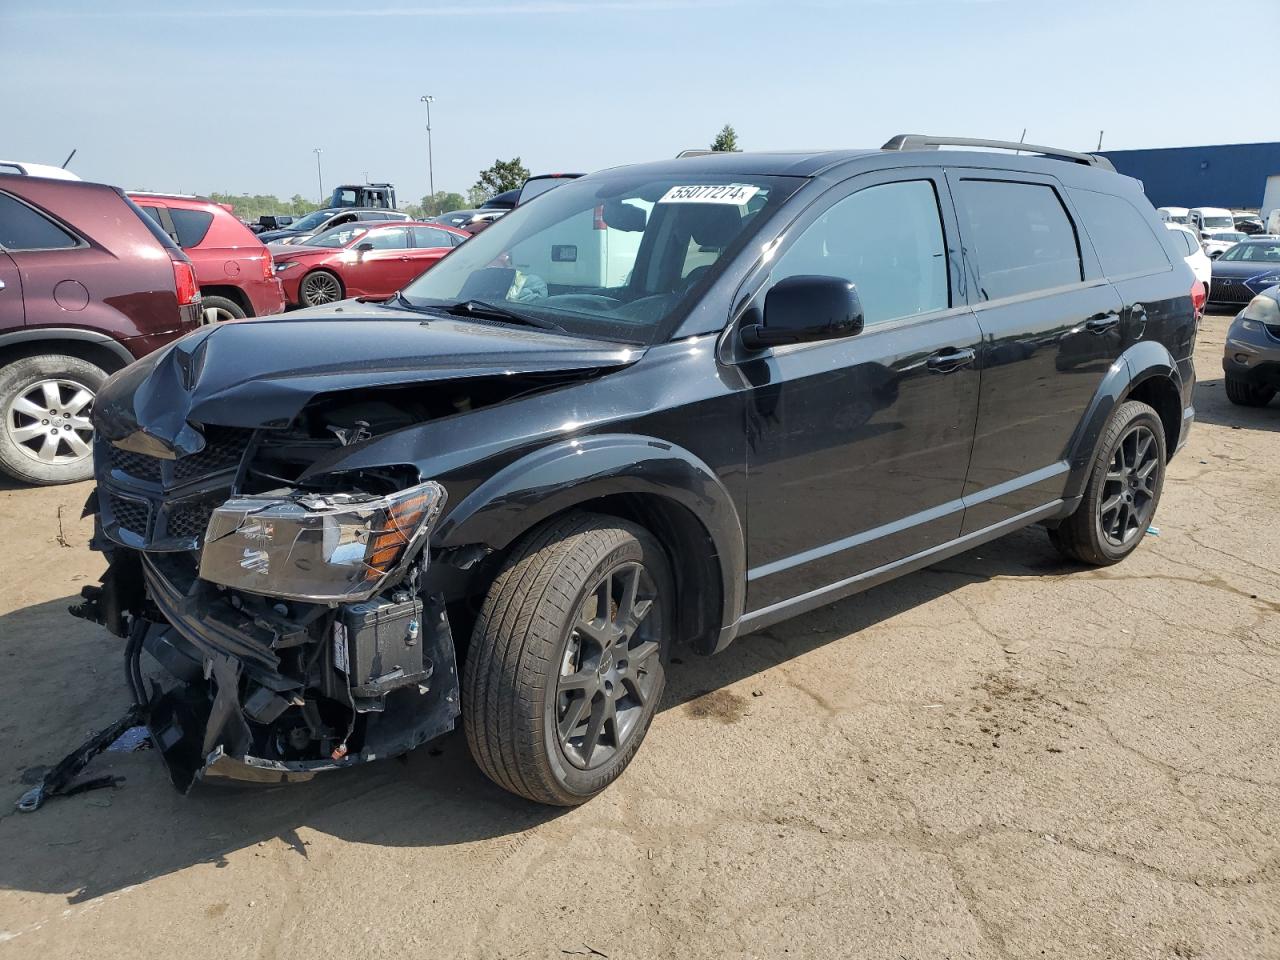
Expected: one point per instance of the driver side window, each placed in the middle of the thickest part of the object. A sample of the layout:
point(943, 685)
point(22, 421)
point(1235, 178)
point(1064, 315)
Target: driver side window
point(395, 238)
point(887, 240)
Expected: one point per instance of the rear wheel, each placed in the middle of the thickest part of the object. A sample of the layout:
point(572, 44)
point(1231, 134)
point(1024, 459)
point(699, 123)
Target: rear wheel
point(46, 402)
point(318, 288)
point(566, 665)
point(1123, 490)
point(1245, 394)
point(218, 309)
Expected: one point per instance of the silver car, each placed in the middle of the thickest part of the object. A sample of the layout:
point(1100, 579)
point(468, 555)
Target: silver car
point(1251, 358)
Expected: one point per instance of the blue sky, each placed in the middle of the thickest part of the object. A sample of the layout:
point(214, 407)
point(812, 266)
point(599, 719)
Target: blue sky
point(199, 96)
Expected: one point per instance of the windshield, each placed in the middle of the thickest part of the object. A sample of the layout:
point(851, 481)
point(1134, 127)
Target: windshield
point(614, 256)
point(1255, 252)
point(1218, 223)
point(336, 236)
point(311, 220)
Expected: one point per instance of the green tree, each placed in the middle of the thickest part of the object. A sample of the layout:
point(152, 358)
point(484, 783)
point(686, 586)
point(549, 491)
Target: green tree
point(726, 140)
point(250, 206)
point(502, 176)
point(477, 195)
point(440, 202)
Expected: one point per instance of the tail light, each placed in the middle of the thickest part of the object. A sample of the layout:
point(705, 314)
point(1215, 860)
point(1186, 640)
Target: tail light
point(599, 223)
point(1198, 297)
point(268, 265)
point(184, 278)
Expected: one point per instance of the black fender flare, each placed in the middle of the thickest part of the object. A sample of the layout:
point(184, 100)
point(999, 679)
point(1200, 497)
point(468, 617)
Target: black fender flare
point(572, 472)
point(98, 339)
point(1143, 361)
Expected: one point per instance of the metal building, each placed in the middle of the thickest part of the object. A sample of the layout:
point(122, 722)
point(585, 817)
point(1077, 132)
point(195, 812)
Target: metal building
point(1232, 175)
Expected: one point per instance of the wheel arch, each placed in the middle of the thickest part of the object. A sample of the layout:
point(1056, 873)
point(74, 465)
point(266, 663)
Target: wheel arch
point(664, 488)
point(88, 345)
point(234, 294)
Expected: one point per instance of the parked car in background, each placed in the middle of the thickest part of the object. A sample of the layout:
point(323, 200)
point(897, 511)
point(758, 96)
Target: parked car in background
point(1211, 221)
point(1218, 244)
point(318, 221)
point(24, 169)
point(362, 259)
point(233, 267)
point(271, 221)
point(537, 186)
point(1173, 214)
point(1248, 268)
point(506, 200)
point(374, 196)
point(1184, 239)
point(1249, 224)
point(820, 372)
point(88, 284)
point(1251, 355)
point(460, 219)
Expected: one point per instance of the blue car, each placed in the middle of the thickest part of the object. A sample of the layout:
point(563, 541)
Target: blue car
point(1245, 271)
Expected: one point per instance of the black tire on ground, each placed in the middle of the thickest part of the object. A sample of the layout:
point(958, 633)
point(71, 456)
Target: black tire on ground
point(319, 287)
point(1244, 394)
point(217, 309)
point(539, 681)
point(37, 446)
point(1123, 490)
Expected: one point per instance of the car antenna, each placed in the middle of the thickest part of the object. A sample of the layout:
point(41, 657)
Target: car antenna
point(69, 156)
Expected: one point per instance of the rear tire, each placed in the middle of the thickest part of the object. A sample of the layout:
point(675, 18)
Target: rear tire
point(1122, 492)
point(567, 661)
point(39, 446)
point(1245, 394)
point(218, 309)
point(318, 288)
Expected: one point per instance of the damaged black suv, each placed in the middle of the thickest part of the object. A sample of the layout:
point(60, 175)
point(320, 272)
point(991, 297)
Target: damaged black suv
point(672, 402)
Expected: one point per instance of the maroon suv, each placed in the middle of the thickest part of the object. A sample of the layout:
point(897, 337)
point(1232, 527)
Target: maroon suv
point(233, 267)
point(88, 284)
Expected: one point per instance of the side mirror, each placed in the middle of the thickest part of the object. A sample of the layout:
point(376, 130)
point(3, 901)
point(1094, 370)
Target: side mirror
point(806, 308)
point(1215, 255)
point(364, 247)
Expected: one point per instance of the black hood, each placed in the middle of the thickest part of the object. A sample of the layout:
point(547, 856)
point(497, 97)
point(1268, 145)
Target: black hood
point(261, 373)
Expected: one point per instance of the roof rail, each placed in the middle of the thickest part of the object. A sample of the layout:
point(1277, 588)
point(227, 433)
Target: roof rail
point(917, 141)
point(693, 153)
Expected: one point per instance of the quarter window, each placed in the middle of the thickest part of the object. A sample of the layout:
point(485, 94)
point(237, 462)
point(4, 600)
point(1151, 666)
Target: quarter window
point(190, 225)
point(430, 237)
point(887, 240)
point(1019, 235)
point(1125, 242)
point(22, 228)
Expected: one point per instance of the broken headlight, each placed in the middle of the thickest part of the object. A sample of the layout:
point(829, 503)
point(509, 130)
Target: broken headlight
point(317, 547)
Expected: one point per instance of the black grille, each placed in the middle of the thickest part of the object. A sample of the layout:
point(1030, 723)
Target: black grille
point(130, 514)
point(134, 464)
point(1230, 291)
point(223, 447)
point(190, 520)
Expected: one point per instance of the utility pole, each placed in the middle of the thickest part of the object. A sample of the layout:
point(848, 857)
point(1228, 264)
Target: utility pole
point(431, 172)
point(319, 176)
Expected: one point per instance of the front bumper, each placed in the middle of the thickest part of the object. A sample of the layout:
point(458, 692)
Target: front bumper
point(1252, 355)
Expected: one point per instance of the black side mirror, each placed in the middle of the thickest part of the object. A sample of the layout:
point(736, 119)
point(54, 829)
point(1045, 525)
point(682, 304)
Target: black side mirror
point(806, 308)
point(364, 247)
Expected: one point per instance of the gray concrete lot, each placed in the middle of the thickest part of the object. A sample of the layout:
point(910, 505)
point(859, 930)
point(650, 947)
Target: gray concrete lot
point(1003, 756)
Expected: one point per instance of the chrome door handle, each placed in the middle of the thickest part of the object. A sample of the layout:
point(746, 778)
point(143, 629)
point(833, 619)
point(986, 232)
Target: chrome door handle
point(950, 360)
point(1102, 323)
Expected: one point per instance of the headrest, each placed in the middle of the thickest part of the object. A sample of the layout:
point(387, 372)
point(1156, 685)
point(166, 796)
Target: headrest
point(713, 224)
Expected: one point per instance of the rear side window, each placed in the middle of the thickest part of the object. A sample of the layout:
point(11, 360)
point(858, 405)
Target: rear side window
point(190, 225)
point(430, 237)
point(1125, 242)
point(22, 228)
point(1020, 236)
point(388, 239)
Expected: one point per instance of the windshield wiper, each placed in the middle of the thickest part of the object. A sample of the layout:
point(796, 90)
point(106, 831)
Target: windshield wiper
point(491, 311)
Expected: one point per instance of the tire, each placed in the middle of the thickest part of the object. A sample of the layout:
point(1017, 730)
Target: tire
point(39, 447)
point(1244, 394)
point(1123, 490)
point(218, 309)
point(541, 651)
point(319, 287)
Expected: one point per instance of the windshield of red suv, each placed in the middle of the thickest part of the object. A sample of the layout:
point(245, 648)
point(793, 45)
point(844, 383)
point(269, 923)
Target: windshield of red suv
point(617, 257)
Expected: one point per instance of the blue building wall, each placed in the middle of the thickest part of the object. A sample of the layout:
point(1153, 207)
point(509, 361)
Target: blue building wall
point(1229, 175)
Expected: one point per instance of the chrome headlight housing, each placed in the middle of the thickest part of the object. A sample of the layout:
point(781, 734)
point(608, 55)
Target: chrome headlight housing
point(340, 547)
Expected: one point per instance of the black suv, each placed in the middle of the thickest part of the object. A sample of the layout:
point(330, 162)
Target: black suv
point(667, 403)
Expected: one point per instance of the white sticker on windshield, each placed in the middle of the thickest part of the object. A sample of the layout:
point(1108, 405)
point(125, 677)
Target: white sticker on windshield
point(734, 194)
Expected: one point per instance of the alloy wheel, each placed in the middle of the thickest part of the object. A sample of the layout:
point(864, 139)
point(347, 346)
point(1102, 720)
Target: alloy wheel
point(212, 315)
point(1129, 491)
point(320, 288)
point(49, 421)
point(611, 667)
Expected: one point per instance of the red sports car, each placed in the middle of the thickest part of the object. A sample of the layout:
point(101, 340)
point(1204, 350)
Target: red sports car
point(361, 259)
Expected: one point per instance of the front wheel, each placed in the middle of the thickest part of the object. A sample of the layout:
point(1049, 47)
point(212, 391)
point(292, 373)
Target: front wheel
point(1123, 491)
point(567, 660)
point(318, 288)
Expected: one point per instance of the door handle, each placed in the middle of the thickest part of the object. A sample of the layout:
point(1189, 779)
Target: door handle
point(1102, 322)
point(950, 360)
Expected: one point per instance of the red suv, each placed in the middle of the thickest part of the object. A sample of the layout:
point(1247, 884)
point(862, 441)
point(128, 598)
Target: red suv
point(233, 267)
point(88, 284)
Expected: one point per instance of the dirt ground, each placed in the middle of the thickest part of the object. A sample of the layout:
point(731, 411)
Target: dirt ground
point(1002, 756)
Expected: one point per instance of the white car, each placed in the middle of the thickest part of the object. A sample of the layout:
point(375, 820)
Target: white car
point(1210, 221)
point(1200, 264)
point(1173, 214)
point(24, 169)
point(1220, 241)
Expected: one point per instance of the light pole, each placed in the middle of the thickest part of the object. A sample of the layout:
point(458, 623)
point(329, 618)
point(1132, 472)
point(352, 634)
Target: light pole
point(319, 176)
point(431, 172)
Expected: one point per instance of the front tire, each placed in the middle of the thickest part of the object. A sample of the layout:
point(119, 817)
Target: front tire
point(46, 434)
point(567, 661)
point(1123, 491)
point(1245, 394)
point(318, 288)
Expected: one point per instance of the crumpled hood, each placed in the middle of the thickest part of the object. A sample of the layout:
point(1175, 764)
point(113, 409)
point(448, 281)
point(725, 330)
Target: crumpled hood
point(261, 373)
